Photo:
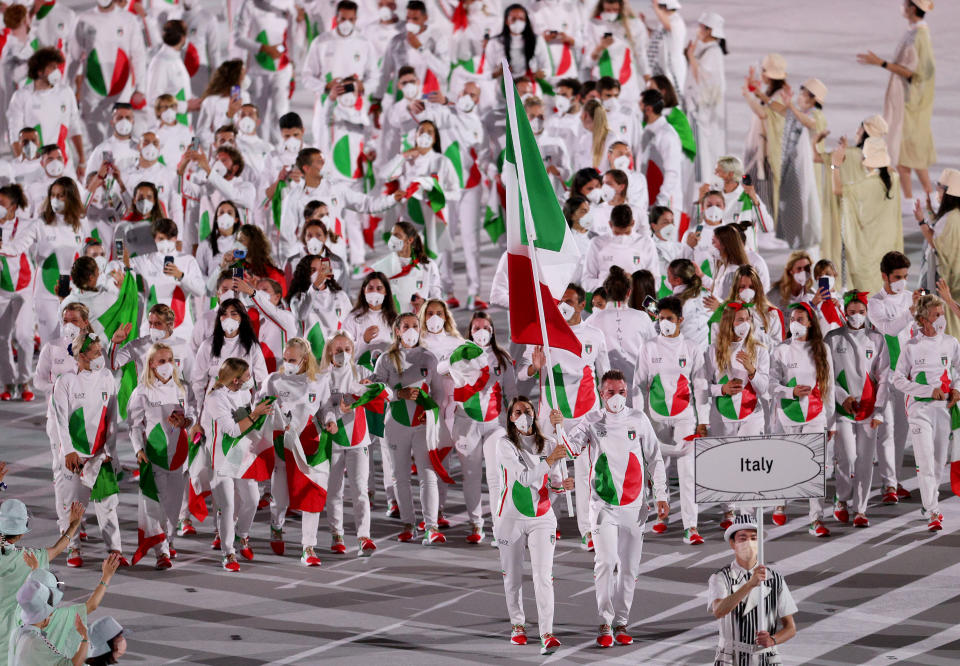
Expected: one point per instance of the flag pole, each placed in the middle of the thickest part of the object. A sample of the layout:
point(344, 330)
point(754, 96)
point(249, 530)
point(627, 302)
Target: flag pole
point(509, 93)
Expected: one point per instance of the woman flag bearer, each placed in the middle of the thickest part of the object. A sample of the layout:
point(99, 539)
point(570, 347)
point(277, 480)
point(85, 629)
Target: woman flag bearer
point(732, 600)
point(85, 409)
point(160, 411)
point(347, 416)
point(927, 374)
point(300, 458)
point(229, 423)
point(860, 365)
point(670, 370)
point(621, 448)
point(524, 516)
point(801, 377)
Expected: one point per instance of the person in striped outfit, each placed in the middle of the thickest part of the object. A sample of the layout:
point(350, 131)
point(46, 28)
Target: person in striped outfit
point(731, 599)
point(623, 454)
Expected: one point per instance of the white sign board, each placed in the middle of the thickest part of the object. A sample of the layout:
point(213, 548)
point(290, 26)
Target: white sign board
point(768, 468)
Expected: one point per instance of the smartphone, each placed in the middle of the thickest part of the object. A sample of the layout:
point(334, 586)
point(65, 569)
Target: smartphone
point(349, 87)
point(747, 180)
point(195, 143)
point(924, 292)
point(235, 92)
point(823, 284)
point(240, 254)
point(63, 285)
point(167, 260)
point(108, 157)
point(118, 248)
point(649, 304)
point(486, 35)
point(238, 272)
point(1, 235)
point(608, 35)
point(325, 266)
point(699, 228)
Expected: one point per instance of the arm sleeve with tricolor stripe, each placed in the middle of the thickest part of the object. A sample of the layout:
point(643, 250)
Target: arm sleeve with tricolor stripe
point(509, 459)
point(136, 417)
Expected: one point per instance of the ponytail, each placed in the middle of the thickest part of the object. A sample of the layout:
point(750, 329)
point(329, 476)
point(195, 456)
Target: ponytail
point(886, 180)
point(595, 110)
point(14, 192)
point(417, 251)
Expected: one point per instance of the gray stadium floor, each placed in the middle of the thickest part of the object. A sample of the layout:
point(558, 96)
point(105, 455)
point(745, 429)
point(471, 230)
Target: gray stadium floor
point(888, 594)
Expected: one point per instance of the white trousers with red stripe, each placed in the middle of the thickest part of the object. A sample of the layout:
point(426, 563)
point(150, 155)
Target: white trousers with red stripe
point(474, 450)
point(465, 221)
point(671, 435)
point(539, 536)
point(355, 461)
point(16, 328)
point(856, 445)
point(618, 544)
point(236, 501)
point(929, 433)
point(402, 441)
point(68, 488)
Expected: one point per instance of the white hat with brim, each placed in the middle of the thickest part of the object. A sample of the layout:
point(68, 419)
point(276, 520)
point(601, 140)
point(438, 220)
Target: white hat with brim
point(741, 523)
point(101, 633)
point(33, 597)
point(49, 580)
point(774, 66)
point(713, 21)
point(875, 153)
point(923, 5)
point(953, 183)
point(14, 519)
point(669, 4)
point(816, 88)
point(876, 126)
point(944, 178)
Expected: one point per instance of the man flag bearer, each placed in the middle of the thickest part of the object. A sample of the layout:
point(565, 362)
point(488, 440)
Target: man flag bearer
point(621, 448)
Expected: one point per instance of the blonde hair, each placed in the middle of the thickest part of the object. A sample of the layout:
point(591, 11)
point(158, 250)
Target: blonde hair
point(165, 312)
point(760, 302)
point(601, 129)
point(725, 339)
point(393, 351)
point(327, 361)
point(230, 369)
point(146, 377)
point(785, 283)
point(732, 164)
point(79, 308)
point(449, 324)
point(310, 367)
point(924, 304)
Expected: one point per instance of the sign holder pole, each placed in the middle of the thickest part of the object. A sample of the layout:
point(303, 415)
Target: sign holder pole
point(761, 615)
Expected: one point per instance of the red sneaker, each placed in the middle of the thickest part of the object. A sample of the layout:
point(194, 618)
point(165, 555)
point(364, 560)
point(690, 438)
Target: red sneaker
point(367, 546)
point(186, 528)
point(442, 522)
point(74, 559)
point(337, 545)
point(276, 540)
point(407, 535)
point(902, 493)
point(245, 550)
point(559, 536)
point(935, 525)
point(421, 526)
point(861, 521)
point(413, 469)
point(393, 511)
point(726, 522)
point(518, 635)
point(230, 564)
point(605, 636)
point(779, 517)
point(264, 501)
point(27, 396)
point(548, 644)
point(841, 513)
point(659, 527)
point(163, 562)
point(476, 535)
point(691, 537)
point(173, 553)
point(309, 558)
point(453, 302)
point(818, 529)
point(434, 537)
point(216, 542)
point(477, 304)
point(5, 396)
point(890, 496)
point(621, 636)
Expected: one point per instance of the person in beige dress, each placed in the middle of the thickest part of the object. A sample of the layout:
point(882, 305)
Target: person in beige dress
point(764, 146)
point(871, 223)
point(908, 103)
point(945, 237)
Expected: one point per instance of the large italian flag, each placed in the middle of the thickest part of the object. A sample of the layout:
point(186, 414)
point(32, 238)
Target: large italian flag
point(150, 516)
point(307, 459)
point(530, 199)
point(125, 310)
point(250, 455)
point(480, 397)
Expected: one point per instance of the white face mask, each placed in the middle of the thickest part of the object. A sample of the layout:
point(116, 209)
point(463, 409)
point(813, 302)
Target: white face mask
point(290, 368)
point(54, 168)
point(168, 116)
point(3, 212)
point(435, 324)
point(898, 286)
point(101, 263)
point(607, 193)
point(669, 232)
point(166, 246)
point(347, 100)
point(54, 77)
point(409, 90)
point(150, 152)
point(69, 331)
point(164, 371)
point(747, 295)
point(424, 140)
point(413, 27)
point(797, 329)
point(374, 298)
point(939, 324)
point(746, 550)
point(57, 205)
point(482, 337)
point(229, 325)
point(144, 206)
point(566, 310)
point(616, 403)
point(156, 334)
point(314, 245)
point(610, 16)
point(536, 125)
point(667, 328)
point(247, 385)
point(345, 28)
point(742, 330)
point(395, 243)
point(247, 125)
point(226, 221)
point(622, 163)
point(385, 14)
point(219, 168)
point(609, 104)
point(562, 104)
point(29, 150)
point(465, 104)
point(523, 422)
point(410, 337)
point(104, 3)
point(594, 195)
point(713, 213)
point(292, 144)
point(517, 27)
point(340, 358)
point(123, 127)
point(97, 364)
point(856, 320)
point(801, 277)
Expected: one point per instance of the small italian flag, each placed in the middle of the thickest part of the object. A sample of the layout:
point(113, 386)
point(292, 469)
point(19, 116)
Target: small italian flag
point(88, 435)
point(423, 411)
point(15, 274)
point(737, 407)
point(480, 397)
point(265, 60)
point(150, 516)
point(105, 483)
point(669, 398)
point(805, 409)
point(688, 142)
point(166, 446)
point(308, 468)
point(125, 310)
point(354, 428)
point(618, 482)
point(867, 399)
point(200, 470)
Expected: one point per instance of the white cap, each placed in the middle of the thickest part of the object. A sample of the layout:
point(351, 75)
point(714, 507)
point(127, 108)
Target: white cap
point(876, 125)
point(816, 88)
point(669, 4)
point(101, 633)
point(774, 66)
point(741, 522)
point(953, 183)
point(49, 580)
point(33, 598)
point(713, 21)
point(875, 153)
point(13, 517)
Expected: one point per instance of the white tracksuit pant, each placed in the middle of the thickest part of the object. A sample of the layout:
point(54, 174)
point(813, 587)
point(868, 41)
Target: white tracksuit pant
point(671, 436)
point(472, 450)
point(856, 444)
point(279, 495)
point(355, 461)
point(46, 307)
point(402, 441)
point(386, 465)
point(234, 497)
point(930, 435)
point(270, 94)
point(618, 544)
point(816, 503)
point(748, 427)
point(16, 328)
point(539, 536)
point(892, 438)
point(170, 487)
point(68, 488)
point(465, 221)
